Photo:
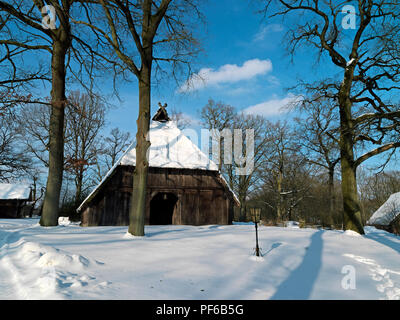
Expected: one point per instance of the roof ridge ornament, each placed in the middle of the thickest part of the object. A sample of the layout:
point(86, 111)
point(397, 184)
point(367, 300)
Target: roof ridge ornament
point(161, 114)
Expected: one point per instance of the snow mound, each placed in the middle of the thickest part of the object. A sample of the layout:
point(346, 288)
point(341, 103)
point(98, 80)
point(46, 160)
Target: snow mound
point(351, 233)
point(129, 236)
point(64, 221)
point(43, 272)
point(255, 258)
point(40, 256)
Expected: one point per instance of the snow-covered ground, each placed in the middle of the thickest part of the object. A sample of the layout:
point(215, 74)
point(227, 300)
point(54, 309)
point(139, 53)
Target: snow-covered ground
point(187, 262)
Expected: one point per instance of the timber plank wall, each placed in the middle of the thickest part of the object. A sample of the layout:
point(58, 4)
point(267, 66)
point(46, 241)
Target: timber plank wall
point(202, 198)
point(11, 208)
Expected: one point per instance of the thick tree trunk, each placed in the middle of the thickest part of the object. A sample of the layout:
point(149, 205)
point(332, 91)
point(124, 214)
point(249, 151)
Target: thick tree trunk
point(242, 211)
point(56, 136)
point(351, 206)
point(138, 201)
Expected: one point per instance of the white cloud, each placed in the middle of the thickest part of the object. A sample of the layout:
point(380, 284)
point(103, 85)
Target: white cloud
point(228, 73)
point(265, 30)
point(273, 106)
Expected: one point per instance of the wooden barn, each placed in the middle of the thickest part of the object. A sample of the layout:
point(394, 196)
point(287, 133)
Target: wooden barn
point(184, 185)
point(387, 217)
point(14, 200)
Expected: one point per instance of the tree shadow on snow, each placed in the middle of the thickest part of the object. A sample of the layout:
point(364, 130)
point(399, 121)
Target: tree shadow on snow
point(386, 239)
point(299, 284)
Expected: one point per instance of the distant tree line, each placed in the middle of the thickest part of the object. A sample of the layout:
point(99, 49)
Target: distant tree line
point(346, 119)
point(296, 174)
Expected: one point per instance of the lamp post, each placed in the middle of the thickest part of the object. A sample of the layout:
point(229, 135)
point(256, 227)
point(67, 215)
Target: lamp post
point(256, 213)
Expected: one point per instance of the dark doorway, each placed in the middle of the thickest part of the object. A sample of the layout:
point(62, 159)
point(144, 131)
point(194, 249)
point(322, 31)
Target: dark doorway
point(162, 208)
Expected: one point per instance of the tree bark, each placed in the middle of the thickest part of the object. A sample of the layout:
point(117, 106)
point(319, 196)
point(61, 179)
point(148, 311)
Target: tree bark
point(56, 135)
point(331, 195)
point(242, 209)
point(138, 201)
point(78, 192)
point(279, 189)
point(351, 206)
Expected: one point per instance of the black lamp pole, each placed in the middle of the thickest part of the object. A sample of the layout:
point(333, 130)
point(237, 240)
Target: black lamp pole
point(255, 212)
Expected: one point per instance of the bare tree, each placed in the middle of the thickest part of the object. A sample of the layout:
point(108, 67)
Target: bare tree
point(217, 116)
point(34, 122)
point(112, 148)
point(85, 117)
point(276, 161)
point(116, 143)
point(318, 136)
point(160, 32)
point(244, 184)
point(17, 77)
point(285, 174)
point(367, 59)
point(182, 121)
point(14, 162)
point(39, 31)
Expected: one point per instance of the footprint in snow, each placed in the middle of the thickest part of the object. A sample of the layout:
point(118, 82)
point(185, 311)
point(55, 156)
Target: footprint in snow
point(380, 274)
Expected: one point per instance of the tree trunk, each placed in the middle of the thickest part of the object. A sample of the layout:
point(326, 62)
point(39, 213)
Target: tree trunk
point(56, 136)
point(351, 207)
point(78, 192)
point(279, 189)
point(331, 195)
point(242, 212)
point(138, 201)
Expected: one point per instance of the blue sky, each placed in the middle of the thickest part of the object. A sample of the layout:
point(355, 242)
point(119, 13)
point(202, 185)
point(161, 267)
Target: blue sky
point(244, 60)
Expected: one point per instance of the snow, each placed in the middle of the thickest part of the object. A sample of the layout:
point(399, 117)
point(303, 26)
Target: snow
point(352, 233)
point(350, 62)
point(194, 262)
point(14, 191)
point(292, 224)
point(63, 221)
point(387, 212)
point(170, 148)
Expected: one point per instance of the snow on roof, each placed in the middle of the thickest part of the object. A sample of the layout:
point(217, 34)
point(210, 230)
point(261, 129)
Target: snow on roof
point(169, 148)
point(387, 212)
point(10, 191)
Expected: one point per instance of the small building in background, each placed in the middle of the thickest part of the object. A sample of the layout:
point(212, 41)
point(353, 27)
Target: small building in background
point(14, 200)
point(387, 217)
point(184, 186)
